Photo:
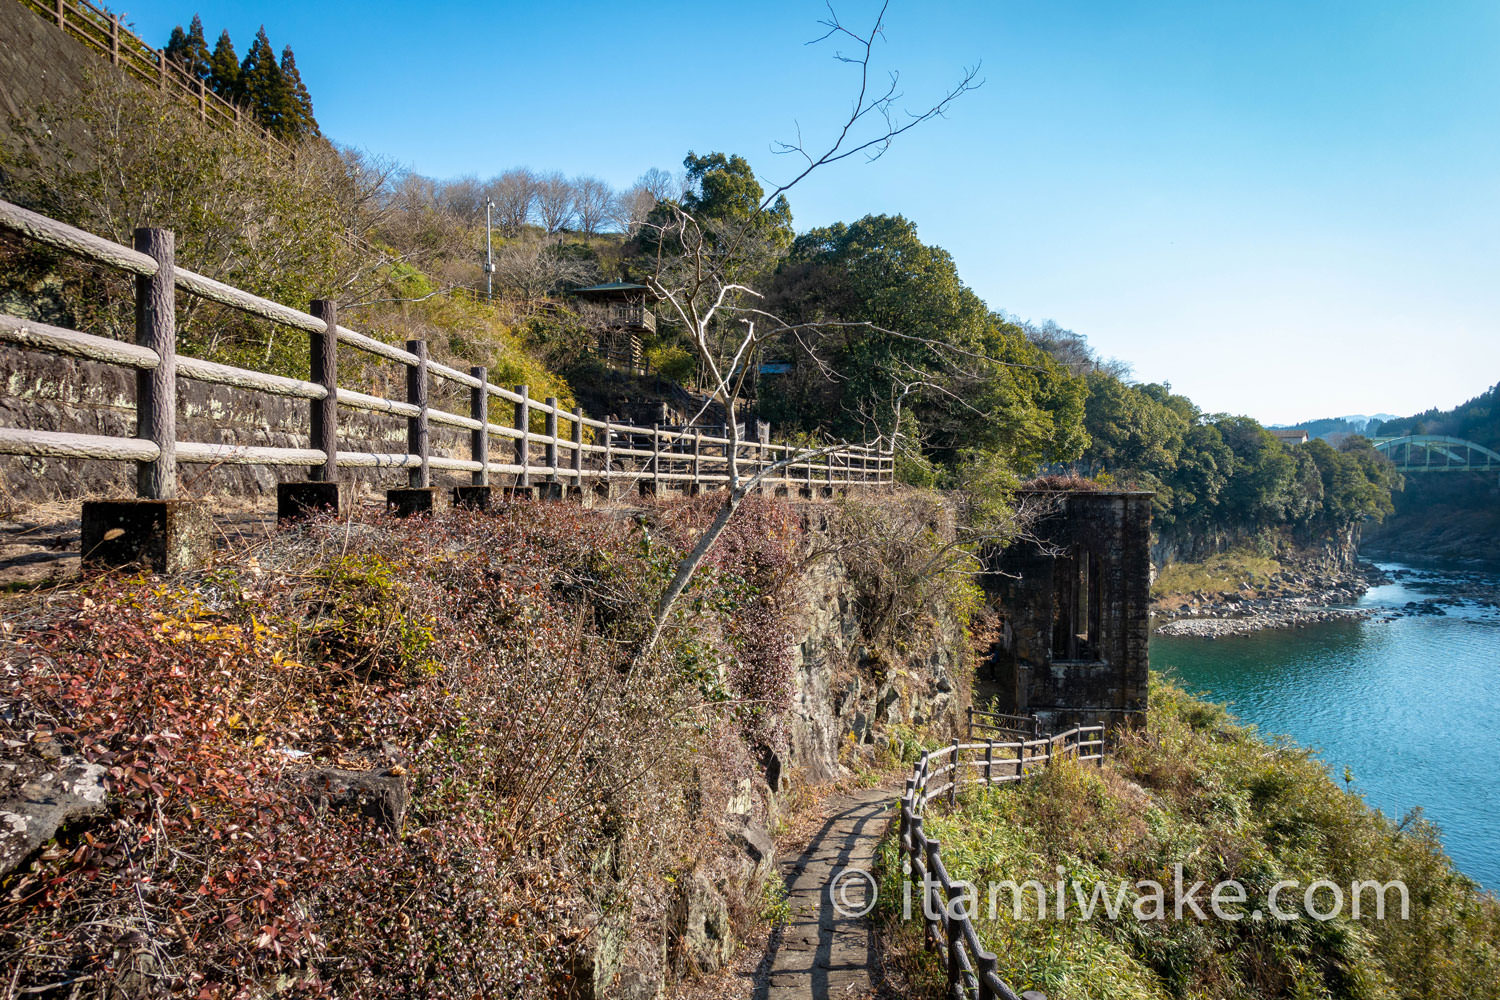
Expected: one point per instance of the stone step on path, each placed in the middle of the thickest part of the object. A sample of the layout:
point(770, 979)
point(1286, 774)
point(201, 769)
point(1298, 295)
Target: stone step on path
point(823, 953)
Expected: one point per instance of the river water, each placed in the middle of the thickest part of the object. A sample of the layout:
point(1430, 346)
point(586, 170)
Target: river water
point(1410, 703)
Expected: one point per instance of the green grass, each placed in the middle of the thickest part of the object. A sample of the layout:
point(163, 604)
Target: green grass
point(1200, 791)
point(1222, 572)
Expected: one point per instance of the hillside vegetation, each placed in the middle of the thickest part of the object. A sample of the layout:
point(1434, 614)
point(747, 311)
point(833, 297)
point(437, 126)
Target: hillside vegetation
point(883, 333)
point(531, 794)
point(1196, 789)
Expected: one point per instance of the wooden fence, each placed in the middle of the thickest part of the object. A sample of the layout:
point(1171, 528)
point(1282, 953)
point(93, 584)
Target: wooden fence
point(559, 455)
point(100, 30)
point(940, 774)
point(1001, 724)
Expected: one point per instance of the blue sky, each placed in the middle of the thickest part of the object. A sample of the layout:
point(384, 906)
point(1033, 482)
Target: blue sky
point(1286, 209)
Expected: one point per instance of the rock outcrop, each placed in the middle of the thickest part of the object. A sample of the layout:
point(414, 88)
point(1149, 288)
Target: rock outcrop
point(40, 796)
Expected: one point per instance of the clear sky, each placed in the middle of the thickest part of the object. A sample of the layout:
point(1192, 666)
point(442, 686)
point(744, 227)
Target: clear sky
point(1286, 208)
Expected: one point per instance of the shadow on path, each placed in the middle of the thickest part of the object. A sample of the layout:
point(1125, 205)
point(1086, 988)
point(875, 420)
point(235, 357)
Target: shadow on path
point(822, 954)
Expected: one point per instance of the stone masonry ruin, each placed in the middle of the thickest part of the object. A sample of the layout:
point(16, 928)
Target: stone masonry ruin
point(1075, 597)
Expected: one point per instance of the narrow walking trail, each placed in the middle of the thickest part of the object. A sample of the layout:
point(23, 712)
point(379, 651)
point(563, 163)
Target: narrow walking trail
point(822, 954)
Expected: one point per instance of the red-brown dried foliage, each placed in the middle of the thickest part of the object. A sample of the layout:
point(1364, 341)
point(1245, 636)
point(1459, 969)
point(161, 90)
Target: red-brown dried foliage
point(485, 657)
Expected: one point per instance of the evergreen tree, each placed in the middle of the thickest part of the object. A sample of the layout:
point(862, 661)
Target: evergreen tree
point(176, 49)
point(194, 52)
point(224, 70)
point(265, 90)
point(306, 124)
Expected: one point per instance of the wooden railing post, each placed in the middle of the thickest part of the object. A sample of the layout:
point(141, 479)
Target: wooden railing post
point(985, 966)
point(202, 100)
point(523, 443)
point(609, 459)
point(971, 722)
point(156, 388)
point(762, 451)
point(323, 364)
point(114, 39)
point(957, 771)
point(578, 448)
point(479, 438)
point(656, 460)
point(907, 800)
point(957, 916)
point(697, 460)
point(418, 439)
point(989, 762)
point(551, 430)
point(934, 925)
point(62, 14)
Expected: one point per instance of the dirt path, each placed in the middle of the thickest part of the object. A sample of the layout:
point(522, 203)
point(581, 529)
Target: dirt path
point(822, 953)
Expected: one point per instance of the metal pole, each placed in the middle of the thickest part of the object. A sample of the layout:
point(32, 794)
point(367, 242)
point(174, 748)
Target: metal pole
point(489, 254)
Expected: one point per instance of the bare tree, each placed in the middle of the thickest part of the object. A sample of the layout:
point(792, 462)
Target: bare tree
point(554, 202)
point(514, 193)
point(464, 198)
point(629, 209)
point(724, 320)
point(662, 185)
point(591, 203)
point(529, 268)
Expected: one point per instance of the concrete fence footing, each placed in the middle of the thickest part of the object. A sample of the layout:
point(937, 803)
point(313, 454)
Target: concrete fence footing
point(165, 536)
point(472, 497)
point(411, 500)
point(304, 499)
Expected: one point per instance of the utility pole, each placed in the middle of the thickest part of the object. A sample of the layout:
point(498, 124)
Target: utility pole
point(489, 253)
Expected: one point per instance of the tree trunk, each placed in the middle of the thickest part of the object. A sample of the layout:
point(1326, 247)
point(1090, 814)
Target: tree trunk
point(689, 566)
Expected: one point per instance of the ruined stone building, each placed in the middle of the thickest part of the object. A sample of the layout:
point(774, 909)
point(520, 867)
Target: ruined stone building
point(1075, 597)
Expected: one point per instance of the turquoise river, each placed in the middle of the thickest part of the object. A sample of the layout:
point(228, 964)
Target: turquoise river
point(1409, 703)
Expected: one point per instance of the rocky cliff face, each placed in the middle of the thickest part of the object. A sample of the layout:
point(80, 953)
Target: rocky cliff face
point(1329, 556)
point(848, 693)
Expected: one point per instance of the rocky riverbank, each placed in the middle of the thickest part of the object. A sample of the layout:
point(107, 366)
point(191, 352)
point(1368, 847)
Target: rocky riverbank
point(1292, 598)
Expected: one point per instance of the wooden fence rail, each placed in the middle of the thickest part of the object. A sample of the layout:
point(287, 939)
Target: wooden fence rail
point(100, 30)
point(939, 775)
point(571, 451)
point(1021, 727)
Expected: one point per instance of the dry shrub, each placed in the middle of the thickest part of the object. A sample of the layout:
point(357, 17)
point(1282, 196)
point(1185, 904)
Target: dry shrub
point(485, 658)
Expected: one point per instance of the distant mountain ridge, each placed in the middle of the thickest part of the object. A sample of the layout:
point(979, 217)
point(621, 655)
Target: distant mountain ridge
point(1331, 427)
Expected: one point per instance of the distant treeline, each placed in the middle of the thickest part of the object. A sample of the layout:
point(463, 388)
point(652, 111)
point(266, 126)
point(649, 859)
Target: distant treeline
point(1477, 420)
